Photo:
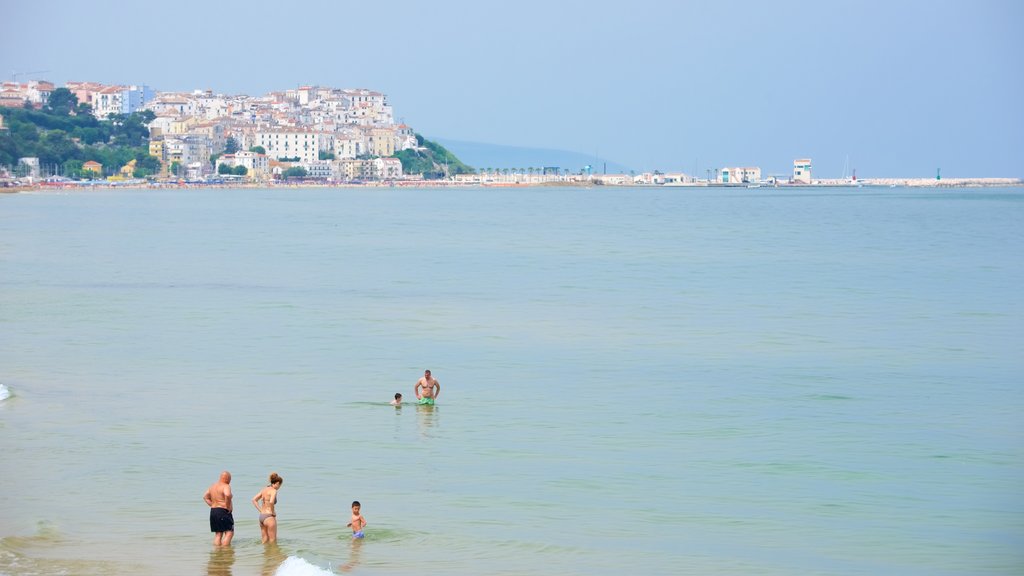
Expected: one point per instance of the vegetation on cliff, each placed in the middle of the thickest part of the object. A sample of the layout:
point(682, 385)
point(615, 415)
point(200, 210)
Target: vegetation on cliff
point(64, 134)
point(431, 160)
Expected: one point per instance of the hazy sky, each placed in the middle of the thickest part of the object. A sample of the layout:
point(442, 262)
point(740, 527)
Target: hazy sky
point(899, 88)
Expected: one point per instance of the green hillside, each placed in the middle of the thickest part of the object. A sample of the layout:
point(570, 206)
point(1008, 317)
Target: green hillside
point(65, 134)
point(431, 160)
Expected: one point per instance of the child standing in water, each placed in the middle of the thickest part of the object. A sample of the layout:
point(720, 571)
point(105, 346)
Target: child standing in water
point(358, 522)
point(398, 399)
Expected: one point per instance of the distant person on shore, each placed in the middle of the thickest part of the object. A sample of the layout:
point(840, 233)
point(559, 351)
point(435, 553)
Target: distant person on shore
point(218, 498)
point(427, 389)
point(357, 523)
point(265, 501)
point(398, 399)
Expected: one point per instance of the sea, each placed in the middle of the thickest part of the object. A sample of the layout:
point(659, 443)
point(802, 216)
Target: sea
point(706, 381)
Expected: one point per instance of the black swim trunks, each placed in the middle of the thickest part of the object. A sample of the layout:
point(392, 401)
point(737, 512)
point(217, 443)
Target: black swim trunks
point(221, 520)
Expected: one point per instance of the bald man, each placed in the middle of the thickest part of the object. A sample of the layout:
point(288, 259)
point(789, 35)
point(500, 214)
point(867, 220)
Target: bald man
point(218, 498)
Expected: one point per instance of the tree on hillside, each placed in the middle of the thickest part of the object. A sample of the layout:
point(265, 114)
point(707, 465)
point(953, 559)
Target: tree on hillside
point(231, 145)
point(61, 102)
point(55, 147)
point(130, 129)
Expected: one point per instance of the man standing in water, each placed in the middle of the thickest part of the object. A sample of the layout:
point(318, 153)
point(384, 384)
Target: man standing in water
point(427, 389)
point(218, 498)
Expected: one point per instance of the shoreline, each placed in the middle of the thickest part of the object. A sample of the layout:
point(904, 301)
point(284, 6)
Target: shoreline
point(594, 183)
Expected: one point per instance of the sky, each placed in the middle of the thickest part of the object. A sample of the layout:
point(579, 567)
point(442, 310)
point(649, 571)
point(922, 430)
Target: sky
point(891, 88)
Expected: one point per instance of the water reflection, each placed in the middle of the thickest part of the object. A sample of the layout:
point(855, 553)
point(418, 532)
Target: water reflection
point(222, 559)
point(273, 557)
point(354, 555)
point(427, 417)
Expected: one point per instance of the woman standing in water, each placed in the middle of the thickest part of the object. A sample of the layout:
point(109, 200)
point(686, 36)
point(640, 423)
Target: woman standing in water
point(268, 516)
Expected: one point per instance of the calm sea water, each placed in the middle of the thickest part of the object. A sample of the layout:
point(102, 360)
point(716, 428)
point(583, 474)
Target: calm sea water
point(634, 381)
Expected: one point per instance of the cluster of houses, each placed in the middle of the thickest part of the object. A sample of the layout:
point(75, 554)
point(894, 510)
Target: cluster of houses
point(14, 94)
point(339, 135)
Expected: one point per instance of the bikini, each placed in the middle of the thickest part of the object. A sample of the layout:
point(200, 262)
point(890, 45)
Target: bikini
point(265, 516)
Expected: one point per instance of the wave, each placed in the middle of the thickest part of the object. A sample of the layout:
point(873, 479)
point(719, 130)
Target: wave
point(4, 393)
point(295, 566)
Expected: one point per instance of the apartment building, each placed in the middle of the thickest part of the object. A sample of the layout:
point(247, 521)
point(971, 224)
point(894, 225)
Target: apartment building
point(134, 98)
point(349, 169)
point(348, 145)
point(381, 141)
point(156, 148)
point(187, 150)
point(319, 169)
point(214, 131)
point(107, 101)
point(295, 143)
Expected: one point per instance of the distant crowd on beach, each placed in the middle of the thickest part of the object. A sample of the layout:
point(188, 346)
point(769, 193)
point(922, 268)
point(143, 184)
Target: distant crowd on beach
point(221, 500)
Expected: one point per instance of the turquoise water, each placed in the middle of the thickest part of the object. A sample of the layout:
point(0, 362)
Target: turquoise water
point(642, 381)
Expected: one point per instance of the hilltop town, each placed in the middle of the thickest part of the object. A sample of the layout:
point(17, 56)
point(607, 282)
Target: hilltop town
point(309, 134)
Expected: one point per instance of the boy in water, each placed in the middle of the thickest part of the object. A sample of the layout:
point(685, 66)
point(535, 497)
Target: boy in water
point(398, 399)
point(358, 522)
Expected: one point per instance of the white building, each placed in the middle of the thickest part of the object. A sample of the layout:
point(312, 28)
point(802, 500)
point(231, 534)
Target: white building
point(188, 150)
point(170, 105)
point(802, 170)
point(257, 165)
point(367, 107)
point(348, 145)
point(305, 145)
point(387, 168)
point(741, 175)
point(320, 169)
point(159, 126)
point(38, 91)
point(107, 101)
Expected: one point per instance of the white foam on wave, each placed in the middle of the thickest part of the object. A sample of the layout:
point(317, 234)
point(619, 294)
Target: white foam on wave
point(4, 393)
point(295, 566)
